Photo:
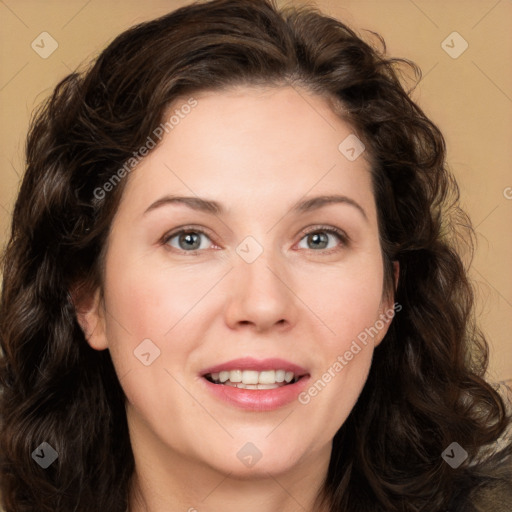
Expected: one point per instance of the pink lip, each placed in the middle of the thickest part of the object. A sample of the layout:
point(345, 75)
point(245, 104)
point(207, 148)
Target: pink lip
point(260, 365)
point(257, 399)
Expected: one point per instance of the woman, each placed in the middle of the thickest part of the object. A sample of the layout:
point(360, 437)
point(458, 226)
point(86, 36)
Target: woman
point(232, 284)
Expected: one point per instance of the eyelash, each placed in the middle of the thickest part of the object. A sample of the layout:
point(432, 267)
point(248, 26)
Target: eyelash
point(341, 235)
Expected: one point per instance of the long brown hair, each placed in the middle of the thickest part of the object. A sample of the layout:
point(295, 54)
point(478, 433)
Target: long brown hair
point(425, 388)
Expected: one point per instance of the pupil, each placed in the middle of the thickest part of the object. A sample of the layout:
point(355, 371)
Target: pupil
point(316, 237)
point(189, 238)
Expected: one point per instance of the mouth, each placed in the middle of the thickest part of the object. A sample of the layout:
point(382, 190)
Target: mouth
point(253, 379)
point(255, 385)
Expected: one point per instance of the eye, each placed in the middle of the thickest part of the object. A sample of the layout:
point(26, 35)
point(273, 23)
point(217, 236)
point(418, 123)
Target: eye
point(320, 238)
point(188, 240)
point(325, 239)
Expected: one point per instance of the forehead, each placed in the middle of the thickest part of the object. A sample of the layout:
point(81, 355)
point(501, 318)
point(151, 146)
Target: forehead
point(250, 143)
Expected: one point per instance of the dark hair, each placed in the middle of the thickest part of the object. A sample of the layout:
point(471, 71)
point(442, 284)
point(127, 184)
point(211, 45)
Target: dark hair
point(425, 389)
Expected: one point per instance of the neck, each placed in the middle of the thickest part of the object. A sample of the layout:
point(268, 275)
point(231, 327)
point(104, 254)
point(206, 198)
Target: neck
point(228, 494)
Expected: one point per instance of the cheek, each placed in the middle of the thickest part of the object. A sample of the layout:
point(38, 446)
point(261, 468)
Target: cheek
point(157, 303)
point(348, 302)
point(347, 299)
point(150, 302)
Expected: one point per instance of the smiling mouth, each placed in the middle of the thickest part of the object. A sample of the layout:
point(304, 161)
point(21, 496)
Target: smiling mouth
point(252, 379)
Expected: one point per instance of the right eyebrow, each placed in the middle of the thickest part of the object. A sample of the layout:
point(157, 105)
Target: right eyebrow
point(196, 203)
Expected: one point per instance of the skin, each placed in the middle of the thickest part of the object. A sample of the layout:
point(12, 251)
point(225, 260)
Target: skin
point(257, 152)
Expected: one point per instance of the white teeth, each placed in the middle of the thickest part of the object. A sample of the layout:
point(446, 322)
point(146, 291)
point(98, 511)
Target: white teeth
point(252, 379)
point(267, 377)
point(241, 385)
point(235, 375)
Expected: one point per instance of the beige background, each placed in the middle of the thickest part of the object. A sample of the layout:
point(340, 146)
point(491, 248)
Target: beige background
point(469, 97)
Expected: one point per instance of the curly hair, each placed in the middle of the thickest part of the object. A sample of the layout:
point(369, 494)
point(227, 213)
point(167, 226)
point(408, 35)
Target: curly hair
point(426, 386)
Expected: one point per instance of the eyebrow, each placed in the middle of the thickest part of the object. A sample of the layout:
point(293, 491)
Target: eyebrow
point(210, 206)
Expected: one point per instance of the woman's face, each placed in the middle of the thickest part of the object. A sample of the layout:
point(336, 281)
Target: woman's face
point(260, 289)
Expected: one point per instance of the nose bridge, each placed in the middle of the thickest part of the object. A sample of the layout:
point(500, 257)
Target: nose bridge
point(258, 294)
point(262, 275)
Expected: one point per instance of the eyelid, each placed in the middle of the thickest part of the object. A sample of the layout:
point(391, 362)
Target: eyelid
point(327, 228)
point(185, 227)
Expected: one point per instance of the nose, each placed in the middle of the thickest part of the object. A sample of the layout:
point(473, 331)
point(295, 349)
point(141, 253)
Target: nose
point(260, 296)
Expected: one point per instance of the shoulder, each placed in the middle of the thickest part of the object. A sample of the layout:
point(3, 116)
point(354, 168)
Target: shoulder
point(486, 485)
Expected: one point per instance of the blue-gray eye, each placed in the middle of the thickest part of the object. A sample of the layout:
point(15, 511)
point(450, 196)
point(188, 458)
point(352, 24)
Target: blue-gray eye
point(187, 240)
point(319, 239)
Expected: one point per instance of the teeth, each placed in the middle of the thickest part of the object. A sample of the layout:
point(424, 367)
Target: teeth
point(252, 379)
point(241, 385)
point(268, 377)
point(235, 375)
point(280, 375)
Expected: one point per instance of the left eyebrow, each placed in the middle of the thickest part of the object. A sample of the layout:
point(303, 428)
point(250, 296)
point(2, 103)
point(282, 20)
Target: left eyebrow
point(318, 202)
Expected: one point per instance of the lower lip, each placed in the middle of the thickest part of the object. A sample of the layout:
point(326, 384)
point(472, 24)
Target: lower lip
point(258, 399)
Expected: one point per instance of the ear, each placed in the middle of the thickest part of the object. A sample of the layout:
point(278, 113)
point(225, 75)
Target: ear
point(396, 273)
point(387, 308)
point(90, 313)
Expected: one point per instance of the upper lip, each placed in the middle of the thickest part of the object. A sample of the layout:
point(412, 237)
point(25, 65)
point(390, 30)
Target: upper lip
point(260, 365)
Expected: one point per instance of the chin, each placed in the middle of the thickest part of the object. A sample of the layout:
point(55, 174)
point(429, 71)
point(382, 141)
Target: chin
point(248, 456)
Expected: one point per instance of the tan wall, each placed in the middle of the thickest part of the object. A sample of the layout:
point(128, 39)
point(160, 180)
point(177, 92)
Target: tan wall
point(469, 97)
